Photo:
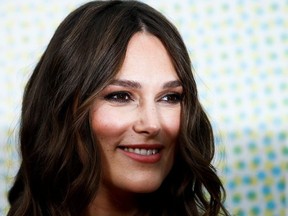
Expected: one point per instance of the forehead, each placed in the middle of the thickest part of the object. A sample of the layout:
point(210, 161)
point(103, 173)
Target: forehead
point(147, 56)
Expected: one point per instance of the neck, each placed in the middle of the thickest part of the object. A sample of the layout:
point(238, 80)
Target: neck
point(117, 203)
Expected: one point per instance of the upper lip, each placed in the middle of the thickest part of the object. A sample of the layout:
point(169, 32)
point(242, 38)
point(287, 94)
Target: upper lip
point(142, 146)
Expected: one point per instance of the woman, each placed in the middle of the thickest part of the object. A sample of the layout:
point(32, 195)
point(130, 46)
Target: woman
point(111, 122)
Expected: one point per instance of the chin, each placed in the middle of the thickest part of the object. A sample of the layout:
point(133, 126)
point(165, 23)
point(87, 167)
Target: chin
point(145, 189)
point(144, 186)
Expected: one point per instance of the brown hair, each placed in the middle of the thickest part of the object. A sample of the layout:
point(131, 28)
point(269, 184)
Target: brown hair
point(60, 169)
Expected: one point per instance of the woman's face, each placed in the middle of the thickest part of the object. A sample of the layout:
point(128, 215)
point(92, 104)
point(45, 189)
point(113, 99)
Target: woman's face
point(136, 118)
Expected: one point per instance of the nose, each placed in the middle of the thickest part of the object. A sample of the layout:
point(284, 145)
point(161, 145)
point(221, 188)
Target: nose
point(147, 121)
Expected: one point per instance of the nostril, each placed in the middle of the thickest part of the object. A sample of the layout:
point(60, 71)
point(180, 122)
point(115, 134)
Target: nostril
point(146, 129)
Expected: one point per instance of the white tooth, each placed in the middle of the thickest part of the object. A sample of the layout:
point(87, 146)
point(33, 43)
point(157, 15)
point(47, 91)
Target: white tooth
point(143, 152)
point(137, 151)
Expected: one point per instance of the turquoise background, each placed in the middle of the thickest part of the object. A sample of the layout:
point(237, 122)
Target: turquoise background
point(239, 50)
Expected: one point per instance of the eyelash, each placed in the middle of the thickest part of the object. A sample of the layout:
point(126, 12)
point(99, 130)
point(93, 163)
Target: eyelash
point(120, 97)
point(172, 98)
point(125, 97)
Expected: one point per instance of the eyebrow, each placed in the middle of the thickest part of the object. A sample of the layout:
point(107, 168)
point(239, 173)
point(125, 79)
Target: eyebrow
point(137, 85)
point(126, 83)
point(172, 84)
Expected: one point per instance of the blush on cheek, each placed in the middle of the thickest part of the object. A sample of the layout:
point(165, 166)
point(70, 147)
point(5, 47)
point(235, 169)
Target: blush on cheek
point(108, 127)
point(172, 123)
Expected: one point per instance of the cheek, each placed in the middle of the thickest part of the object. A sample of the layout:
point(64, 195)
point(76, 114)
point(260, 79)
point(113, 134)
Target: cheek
point(107, 124)
point(171, 122)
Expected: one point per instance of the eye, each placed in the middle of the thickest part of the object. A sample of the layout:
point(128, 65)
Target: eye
point(172, 98)
point(119, 97)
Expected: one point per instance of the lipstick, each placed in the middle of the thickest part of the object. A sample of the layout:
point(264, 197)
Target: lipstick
point(143, 153)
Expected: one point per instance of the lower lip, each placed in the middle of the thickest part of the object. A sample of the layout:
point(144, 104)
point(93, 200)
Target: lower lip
point(143, 158)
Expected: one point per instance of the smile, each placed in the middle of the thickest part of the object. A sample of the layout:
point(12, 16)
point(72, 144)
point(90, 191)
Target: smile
point(142, 151)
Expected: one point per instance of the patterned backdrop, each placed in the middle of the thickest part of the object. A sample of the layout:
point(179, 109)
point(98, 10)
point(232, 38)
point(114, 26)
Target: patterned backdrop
point(239, 49)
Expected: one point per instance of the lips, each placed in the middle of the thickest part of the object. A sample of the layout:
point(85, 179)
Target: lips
point(143, 153)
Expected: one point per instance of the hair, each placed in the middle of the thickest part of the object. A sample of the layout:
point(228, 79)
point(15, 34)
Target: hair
point(60, 169)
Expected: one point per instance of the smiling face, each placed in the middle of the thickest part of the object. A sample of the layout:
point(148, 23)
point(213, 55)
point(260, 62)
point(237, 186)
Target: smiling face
point(136, 118)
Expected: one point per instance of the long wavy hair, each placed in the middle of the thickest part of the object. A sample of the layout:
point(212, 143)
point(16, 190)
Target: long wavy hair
point(60, 169)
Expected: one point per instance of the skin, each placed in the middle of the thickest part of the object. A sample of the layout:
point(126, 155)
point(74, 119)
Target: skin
point(140, 108)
